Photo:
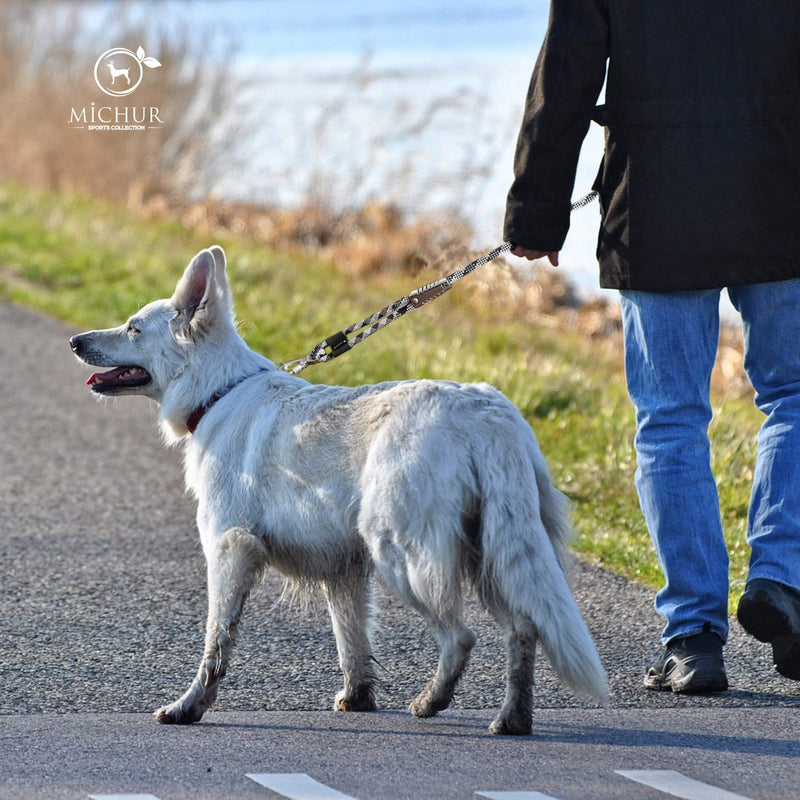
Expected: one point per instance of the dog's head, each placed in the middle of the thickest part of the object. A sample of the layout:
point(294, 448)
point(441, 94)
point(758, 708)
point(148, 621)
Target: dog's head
point(158, 344)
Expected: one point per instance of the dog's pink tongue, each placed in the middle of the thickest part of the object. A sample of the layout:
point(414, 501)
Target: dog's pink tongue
point(104, 377)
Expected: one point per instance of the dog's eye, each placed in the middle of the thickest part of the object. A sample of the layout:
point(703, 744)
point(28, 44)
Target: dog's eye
point(133, 330)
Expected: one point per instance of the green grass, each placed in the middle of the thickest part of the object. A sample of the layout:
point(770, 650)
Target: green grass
point(93, 265)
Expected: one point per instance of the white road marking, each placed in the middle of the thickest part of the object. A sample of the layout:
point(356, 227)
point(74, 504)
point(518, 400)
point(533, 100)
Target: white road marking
point(297, 786)
point(671, 782)
point(122, 797)
point(515, 796)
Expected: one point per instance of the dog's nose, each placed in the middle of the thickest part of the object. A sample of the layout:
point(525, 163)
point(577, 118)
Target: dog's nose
point(75, 343)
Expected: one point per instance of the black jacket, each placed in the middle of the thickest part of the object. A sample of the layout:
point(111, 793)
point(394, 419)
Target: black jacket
point(700, 180)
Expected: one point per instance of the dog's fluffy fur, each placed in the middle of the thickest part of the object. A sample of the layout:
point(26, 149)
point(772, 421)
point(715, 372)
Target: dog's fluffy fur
point(433, 484)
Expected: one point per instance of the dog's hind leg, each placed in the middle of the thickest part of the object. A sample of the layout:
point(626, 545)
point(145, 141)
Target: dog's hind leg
point(412, 528)
point(435, 591)
point(515, 715)
point(233, 567)
point(456, 641)
point(349, 599)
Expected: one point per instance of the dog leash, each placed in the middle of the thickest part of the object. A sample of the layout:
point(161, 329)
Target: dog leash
point(341, 341)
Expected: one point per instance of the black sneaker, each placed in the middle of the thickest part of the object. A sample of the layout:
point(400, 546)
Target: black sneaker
point(770, 611)
point(689, 665)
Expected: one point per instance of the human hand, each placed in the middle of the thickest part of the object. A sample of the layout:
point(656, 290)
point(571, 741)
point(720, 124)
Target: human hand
point(532, 255)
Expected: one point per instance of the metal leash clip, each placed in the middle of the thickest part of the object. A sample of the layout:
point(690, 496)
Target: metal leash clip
point(296, 365)
point(330, 348)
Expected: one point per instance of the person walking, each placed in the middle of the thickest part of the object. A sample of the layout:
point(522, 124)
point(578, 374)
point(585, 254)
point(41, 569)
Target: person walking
point(699, 191)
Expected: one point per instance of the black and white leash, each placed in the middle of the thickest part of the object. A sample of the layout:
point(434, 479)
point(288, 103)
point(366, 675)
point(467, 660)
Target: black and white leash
point(341, 342)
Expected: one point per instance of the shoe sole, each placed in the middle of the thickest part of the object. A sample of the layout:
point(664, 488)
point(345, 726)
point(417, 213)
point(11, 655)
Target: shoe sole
point(767, 623)
point(694, 682)
point(688, 685)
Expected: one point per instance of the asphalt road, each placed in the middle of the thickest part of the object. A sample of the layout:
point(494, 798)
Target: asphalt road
point(102, 598)
point(574, 754)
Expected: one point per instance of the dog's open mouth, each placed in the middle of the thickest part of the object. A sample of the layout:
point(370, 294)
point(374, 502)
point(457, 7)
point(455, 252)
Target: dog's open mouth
point(118, 379)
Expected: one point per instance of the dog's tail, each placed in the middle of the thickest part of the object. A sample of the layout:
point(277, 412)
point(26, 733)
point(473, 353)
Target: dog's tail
point(523, 544)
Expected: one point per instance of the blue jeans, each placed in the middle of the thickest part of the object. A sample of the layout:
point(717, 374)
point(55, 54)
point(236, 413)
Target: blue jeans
point(670, 346)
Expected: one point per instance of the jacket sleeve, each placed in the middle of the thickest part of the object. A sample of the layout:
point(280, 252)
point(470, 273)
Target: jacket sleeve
point(566, 81)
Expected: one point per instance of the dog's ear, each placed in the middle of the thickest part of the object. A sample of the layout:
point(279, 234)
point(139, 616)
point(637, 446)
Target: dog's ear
point(219, 258)
point(195, 297)
point(220, 276)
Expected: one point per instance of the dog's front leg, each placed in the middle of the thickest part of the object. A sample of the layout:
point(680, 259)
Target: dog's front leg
point(233, 567)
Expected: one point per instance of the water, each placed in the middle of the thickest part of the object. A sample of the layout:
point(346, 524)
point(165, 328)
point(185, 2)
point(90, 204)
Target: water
point(320, 28)
point(415, 102)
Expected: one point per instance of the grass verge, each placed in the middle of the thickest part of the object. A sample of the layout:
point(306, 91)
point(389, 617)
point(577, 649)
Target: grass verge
point(93, 265)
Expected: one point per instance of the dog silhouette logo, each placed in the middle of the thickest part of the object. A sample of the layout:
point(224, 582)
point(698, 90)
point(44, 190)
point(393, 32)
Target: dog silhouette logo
point(119, 71)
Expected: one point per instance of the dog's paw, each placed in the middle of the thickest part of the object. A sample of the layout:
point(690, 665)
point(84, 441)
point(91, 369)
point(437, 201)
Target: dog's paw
point(362, 699)
point(422, 709)
point(510, 725)
point(179, 714)
point(430, 701)
point(426, 705)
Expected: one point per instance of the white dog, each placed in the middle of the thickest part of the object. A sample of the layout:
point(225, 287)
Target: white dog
point(433, 484)
point(116, 73)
